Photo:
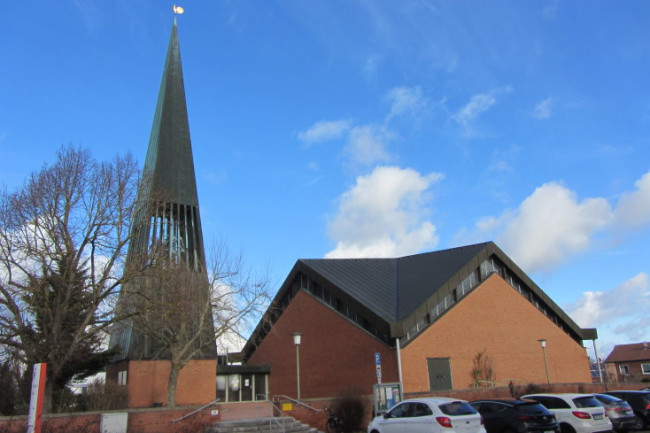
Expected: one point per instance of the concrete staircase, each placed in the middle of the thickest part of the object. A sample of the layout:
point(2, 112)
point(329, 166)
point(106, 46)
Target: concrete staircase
point(261, 425)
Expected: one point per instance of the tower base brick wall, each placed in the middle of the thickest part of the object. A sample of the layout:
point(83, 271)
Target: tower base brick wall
point(147, 382)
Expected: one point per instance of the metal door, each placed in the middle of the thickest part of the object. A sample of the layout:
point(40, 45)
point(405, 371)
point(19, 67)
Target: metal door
point(439, 374)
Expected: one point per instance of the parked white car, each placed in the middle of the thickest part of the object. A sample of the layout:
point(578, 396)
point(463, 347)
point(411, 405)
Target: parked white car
point(429, 415)
point(576, 413)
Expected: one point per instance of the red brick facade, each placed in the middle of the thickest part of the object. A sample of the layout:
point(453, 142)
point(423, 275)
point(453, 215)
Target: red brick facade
point(497, 320)
point(147, 382)
point(336, 357)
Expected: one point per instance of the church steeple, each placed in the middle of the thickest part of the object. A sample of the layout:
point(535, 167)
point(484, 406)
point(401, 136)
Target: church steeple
point(168, 204)
point(169, 156)
point(166, 225)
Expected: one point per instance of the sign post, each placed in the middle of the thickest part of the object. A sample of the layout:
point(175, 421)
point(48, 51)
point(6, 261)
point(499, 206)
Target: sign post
point(36, 399)
point(378, 366)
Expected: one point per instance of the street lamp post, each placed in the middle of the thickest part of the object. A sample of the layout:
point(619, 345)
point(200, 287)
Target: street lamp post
point(297, 339)
point(542, 342)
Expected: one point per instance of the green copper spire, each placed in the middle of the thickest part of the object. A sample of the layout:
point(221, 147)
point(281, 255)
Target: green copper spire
point(166, 231)
point(168, 204)
point(169, 159)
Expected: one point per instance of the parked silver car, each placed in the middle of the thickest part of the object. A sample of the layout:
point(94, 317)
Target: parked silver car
point(576, 413)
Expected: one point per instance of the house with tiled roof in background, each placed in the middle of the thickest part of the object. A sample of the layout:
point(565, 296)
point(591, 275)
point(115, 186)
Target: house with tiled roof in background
point(629, 363)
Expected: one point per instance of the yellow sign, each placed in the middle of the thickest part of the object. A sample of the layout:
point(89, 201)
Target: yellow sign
point(287, 406)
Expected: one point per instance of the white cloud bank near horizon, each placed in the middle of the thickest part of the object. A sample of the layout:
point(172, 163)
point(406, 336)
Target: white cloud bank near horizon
point(620, 314)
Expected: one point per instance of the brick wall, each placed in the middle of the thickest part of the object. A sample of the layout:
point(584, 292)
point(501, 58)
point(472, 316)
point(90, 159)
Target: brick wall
point(147, 383)
point(85, 422)
point(336, 357)
point(162, 421)
point(496, 319)
point(139, 421)
point(635, 372)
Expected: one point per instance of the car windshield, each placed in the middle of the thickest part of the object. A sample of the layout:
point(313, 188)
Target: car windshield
point(532, 408)
point(587, 401)
point(457, 408)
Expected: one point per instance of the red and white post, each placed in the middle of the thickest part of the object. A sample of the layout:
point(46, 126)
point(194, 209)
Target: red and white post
point(36, 399)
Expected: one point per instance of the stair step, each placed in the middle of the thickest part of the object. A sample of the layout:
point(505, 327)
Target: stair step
point(261, 425)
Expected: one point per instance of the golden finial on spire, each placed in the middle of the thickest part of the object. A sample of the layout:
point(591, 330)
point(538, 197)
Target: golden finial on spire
point(178, 10)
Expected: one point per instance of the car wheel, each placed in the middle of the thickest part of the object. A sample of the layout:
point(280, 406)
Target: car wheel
point(566, 428)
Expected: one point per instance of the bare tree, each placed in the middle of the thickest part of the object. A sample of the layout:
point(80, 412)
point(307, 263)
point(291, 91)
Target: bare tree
point(182, 312)
point(63, 238)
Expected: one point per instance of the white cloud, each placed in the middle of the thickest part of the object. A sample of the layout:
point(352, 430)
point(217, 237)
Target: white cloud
point(91, 14)
point(543, 110)
point(217, 177)
point(406, 100)
point(633, 208)
point(367, 144)
point(549, 11)
point(371, 65)
point(384, 215)
point(550, 225)
point(477, 105)
point(622, 309)
point(324, 131)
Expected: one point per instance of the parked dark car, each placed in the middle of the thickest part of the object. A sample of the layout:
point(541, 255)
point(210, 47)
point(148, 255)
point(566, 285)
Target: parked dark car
point(619, 412)
point(640, 402)
point(516, 416)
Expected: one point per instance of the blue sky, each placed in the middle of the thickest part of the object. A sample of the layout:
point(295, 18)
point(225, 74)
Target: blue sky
point(372, 128)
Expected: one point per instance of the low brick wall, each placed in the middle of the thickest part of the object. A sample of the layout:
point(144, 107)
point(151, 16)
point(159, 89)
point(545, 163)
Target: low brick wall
point(161, 420)
point(57, 423)
point(155, 420)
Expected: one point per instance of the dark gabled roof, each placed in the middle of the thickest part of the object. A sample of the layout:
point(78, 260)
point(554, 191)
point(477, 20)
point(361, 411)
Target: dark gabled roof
point(394, 288)
point(397, 295)
point(369, 281)
point(629, 352)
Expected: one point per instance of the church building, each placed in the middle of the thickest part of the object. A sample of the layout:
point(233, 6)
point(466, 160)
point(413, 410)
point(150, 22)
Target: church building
point(433, 322)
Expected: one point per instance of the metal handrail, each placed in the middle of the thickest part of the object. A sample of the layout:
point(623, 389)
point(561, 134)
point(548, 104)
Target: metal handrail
point(197, 410)
point(272, 417)
point(286, 397)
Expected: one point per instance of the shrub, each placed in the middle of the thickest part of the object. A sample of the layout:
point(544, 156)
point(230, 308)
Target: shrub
point(350, 410)
point(102, 395)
